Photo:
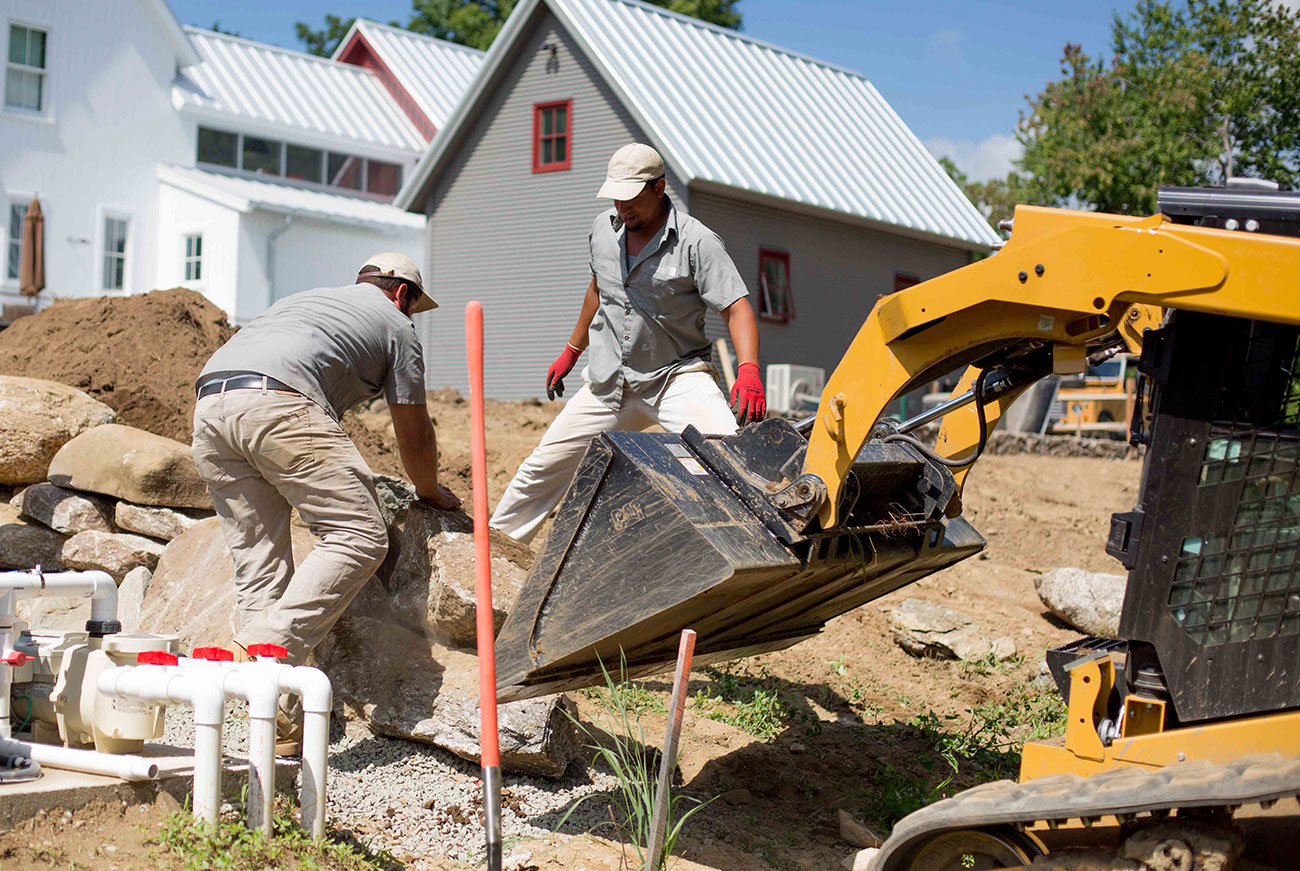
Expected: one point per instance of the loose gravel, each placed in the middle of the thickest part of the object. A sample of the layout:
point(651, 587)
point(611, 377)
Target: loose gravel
point(421, 803)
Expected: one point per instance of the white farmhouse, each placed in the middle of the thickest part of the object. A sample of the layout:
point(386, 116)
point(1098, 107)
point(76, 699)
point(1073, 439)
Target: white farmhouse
point(167, 156)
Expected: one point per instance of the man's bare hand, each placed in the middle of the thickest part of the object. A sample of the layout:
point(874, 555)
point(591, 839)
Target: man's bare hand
point(444, 499)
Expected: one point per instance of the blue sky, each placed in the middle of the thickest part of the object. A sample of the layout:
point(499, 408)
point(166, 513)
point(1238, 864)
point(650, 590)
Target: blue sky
point(957, 72)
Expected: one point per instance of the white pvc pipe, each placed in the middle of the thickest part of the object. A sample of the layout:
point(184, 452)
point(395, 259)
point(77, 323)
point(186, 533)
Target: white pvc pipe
point(259, 689)
point(202, 692)
point(7, 617)
point(317, 694)
point(88, 761)
point(99, 586)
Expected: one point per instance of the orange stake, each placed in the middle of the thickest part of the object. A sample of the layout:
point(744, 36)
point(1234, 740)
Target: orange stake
point(489, 746)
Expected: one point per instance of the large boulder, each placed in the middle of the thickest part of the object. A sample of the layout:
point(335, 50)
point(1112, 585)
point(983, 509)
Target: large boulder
point(131, 464)
point(130, 598)
point(156, 521)
point(114, 552)
point(1088, 601)
point(36, 419)
point(408, 686)
point(393, 656)
point(429, 573)
point(24, 543)
point(65, 511)
point(925, 629)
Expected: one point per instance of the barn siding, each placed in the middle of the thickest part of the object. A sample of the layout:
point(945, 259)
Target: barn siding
point(514, 239)
point(837, 271)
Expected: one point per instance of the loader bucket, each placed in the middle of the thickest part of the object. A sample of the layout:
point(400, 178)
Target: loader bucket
point(660, 533)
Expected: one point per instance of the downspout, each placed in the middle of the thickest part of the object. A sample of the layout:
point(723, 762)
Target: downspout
point(271, 239)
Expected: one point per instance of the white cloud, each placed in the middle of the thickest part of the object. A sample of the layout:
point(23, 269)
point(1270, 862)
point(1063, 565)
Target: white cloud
point(948, 41)
point(981, 161)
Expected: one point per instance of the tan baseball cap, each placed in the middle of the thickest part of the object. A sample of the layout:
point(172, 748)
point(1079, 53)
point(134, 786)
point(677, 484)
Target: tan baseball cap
point(629, 169)
point(391, 264)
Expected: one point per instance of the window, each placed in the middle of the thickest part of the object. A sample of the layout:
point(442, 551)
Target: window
point(383, 178)
point(298, 162)
point(551, 136)
point(194, 257)
point(775, 300)
point(345, 171)
point(218, 147)
point(304, 164)
point(114, 266)
point(17, 212)
point(25, 73)
point(261, 155)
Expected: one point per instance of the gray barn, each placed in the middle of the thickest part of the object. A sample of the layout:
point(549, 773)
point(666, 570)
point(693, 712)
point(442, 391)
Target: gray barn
point(823, 196)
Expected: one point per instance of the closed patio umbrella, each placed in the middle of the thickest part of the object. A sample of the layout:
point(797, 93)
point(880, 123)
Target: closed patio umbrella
point(31, 270)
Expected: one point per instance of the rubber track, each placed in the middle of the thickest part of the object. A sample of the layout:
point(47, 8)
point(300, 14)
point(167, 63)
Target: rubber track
point(1125, 790)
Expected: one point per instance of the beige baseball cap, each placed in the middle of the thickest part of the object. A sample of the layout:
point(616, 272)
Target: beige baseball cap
point(629, 169)
point(391, 264)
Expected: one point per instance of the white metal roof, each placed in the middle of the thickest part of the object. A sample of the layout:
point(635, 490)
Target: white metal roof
point(245, 194)
point(436, 73)
point(266, 88)
point(746, 115)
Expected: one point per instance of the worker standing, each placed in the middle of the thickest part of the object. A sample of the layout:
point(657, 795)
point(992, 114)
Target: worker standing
point(267, 439)
point(654, 271)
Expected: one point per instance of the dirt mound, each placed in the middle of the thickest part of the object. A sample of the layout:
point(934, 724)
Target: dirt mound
point(137, 354)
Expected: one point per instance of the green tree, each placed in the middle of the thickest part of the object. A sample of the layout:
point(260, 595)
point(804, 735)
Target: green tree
point(1190, 95)
point(323, 42)
point(996, 198)
point(476, 23)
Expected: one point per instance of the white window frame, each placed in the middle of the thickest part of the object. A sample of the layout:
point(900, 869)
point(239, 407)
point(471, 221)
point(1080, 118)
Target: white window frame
point(186, 259)
point(326, 151)
point(13, 198)
point(106, 212)
point(45, 112)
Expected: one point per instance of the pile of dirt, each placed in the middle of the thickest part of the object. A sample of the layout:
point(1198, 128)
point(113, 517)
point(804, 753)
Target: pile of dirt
point(137, 354)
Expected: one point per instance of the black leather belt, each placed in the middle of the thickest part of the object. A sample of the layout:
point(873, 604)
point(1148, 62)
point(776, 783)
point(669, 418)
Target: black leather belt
point(219, 382)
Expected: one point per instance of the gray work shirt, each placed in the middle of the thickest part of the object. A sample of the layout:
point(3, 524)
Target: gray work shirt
point(651, 317)
point(335, 345)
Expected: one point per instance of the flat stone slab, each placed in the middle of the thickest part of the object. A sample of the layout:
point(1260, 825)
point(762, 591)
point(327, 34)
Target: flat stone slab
point(71, 790)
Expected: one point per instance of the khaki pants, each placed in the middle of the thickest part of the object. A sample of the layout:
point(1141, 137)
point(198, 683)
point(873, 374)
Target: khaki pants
point(262, 453)
point(690, 399)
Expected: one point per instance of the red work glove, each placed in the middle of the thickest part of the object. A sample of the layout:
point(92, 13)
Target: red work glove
point(747, 398)
point(561, 367)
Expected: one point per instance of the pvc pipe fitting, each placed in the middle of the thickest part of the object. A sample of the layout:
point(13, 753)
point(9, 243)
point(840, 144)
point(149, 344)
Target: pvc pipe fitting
point(133, 768)
point(173, 685)
point(99, 586)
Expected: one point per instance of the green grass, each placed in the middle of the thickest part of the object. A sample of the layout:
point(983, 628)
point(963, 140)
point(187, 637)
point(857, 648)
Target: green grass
point(750, 703)
point(958, 753)
point(629, 696)
point(230, 844)
point(622, 747)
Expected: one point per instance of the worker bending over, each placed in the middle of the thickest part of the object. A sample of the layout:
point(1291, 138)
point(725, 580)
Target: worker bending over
point(654, 270)
point(267, 439)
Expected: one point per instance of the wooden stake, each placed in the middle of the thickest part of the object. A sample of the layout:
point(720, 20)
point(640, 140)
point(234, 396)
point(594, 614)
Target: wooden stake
point(668, 760)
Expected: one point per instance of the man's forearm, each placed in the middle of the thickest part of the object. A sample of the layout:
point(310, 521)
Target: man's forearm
point(420, 460)
point(590, 303)
point(743, 327)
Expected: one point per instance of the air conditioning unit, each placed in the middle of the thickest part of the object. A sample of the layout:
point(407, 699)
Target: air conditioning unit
point(794, 390)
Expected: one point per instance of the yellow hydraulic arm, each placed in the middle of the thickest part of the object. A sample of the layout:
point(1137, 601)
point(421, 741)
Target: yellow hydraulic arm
point(1066, 279)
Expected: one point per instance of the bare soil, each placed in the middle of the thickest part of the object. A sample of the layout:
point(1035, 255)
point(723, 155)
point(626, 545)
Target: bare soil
point(858, 722)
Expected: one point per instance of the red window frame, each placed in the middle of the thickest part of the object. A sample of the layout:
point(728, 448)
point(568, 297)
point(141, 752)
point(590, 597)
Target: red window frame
point(904, 280)
point(764, 255)
point(567, 135)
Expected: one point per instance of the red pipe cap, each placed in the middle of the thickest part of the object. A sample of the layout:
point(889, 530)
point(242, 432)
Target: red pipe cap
point(14, 657)
point(212, 654)
point(157, 657)
point(274, 651)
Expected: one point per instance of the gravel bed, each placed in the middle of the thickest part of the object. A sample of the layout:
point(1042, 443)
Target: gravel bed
point(421, 803)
